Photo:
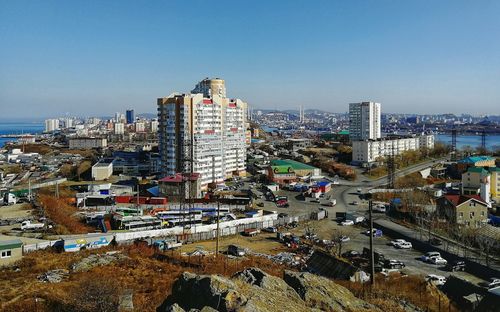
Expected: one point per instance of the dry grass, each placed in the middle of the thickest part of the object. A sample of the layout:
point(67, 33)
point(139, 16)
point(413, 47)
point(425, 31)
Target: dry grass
point(63, 214)
point(388, 292)
point(148, 274)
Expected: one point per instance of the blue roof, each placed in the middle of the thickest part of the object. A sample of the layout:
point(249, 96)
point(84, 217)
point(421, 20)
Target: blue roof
point(323, 183)
point(475, 159)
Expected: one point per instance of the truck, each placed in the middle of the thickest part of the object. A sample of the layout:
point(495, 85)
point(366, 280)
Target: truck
point(251, 232)
point(235, 251)
point(27, 225)
point(354, 217)
point(166, 244)
point(9, 199)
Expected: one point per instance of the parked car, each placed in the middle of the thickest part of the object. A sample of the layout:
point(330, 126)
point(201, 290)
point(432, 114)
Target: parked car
point(355, 203)
point(347, 222)
point(379, 208)
point(404, 245)
point(437, 280)
point(397, 241)
point(235, 251)
point(376, 233)
point(315, 200)
point(428, 255)
point(438, 260)
point(282, 215)
point(351, 254)
point(493, 282)
point(271, 229)
point(456, 265)
point(344, 239)
point(435, 241)
point(393, 264)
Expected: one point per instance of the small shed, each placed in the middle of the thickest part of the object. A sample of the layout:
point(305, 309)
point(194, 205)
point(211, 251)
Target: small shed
point(10, 251)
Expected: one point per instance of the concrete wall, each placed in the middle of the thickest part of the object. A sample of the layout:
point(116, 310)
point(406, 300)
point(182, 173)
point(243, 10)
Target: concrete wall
point(16, 254)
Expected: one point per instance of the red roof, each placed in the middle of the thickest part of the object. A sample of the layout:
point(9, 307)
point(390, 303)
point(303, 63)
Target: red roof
point(207, 101)
point(177, 178)
point(460, 199)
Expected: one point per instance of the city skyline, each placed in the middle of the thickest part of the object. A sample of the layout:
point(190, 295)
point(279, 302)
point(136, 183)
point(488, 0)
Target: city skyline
point(93, 59)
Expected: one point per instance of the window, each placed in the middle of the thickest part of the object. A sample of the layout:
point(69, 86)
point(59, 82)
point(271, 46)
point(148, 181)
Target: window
point(471, 215)
point(6, 254)
point(461, 214)
point(482, 213)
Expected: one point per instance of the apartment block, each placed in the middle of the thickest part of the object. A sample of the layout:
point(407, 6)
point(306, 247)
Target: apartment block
point(367, 151)
point(204, 128)
point(364, 121)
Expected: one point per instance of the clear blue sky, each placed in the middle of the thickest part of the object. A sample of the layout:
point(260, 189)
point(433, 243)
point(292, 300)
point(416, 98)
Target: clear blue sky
point(99, 57)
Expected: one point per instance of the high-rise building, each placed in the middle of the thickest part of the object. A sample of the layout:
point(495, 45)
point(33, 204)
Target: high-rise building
point(119, 128)
point(209, 87)
point(51, 125)
point(203, 129)
point(130, 116)
point(139, 126)
point(153, 126)
point(364, 121)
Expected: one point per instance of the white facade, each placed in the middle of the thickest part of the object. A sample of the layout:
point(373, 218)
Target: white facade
point(51, 125)
point(153, 126)
point(102, 171)
point(140, 127)
point(119, 128)
point(368, 151)
point(364, 121)
point(214, 128)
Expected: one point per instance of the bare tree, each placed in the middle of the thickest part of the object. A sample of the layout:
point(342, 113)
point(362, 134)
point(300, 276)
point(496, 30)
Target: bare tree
point(338, 238)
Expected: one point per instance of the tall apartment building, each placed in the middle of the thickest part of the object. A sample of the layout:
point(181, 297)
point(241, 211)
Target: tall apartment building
point(119, 128)
point(51, 125)
point(364, 121)
point(204, 127)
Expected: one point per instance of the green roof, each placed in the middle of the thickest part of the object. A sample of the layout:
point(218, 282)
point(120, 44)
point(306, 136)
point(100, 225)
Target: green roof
point(494, 169)
point(10, 244)
point(282, 169)
point(291, 163)
point(345, 132)
point(477, 170)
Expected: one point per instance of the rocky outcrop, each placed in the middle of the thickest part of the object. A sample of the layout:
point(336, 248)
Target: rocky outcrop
point(324, 294)
point(254, 290)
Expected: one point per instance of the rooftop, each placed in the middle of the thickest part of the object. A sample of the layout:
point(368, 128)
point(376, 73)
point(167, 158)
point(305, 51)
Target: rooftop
point(178, 178)
point(460, 199)
point(9, 244)
point(291, 163)
point(475, 159)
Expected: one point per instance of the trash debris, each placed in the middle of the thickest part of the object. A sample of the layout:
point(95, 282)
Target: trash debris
point(53, 276)
point(92, 261)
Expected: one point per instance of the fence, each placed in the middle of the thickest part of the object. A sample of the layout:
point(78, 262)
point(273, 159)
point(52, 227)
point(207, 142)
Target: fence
point(41, 245)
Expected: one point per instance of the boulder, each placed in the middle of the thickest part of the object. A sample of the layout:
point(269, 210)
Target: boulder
point(325, 294)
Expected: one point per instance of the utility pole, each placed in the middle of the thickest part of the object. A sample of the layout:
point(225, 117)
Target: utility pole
point(372, 258)
point(218, 221)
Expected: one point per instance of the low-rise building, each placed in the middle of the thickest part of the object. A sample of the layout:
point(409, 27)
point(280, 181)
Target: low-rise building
point(10, 251)
point(467, 210)
point(476, 181)
point(300, 169)
point(102, 170)
point(171, 186)
point(87, 143)
point(368, 151)
point(495, 183)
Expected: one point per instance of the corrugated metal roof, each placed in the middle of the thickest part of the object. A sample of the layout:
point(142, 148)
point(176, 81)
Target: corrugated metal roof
point(9, 244)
